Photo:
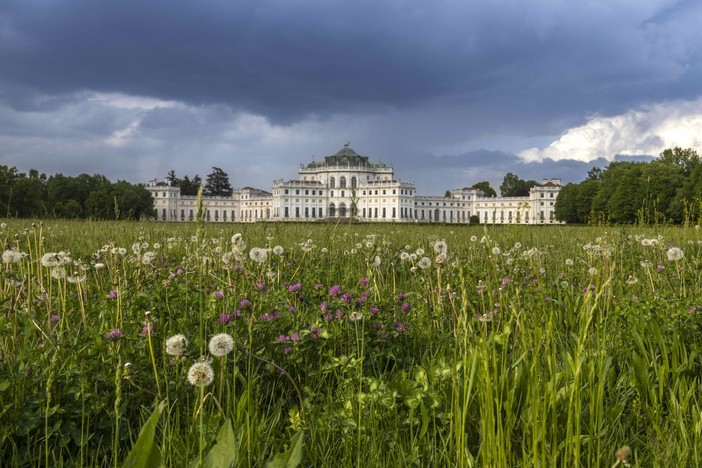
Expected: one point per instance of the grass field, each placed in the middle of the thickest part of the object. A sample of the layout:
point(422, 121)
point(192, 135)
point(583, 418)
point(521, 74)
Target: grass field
point(350, 345)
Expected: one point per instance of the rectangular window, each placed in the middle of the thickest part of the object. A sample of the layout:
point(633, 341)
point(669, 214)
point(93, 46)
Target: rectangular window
point(307, 212)
point(297, 211)
point(287, 212)
point(383, 212)
point(314, 215)
point(393, 212)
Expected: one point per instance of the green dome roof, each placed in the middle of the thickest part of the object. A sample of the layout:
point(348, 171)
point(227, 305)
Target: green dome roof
point(346, 156)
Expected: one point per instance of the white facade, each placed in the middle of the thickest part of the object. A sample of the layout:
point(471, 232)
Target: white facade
point(347, 185)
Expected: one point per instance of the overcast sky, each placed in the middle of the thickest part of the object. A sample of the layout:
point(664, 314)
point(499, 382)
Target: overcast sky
point(450, 92)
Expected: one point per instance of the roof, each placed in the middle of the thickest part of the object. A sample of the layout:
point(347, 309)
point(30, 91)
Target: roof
point(346, 156)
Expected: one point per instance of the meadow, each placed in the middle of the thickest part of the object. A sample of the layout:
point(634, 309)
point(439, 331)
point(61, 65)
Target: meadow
point(349, 345)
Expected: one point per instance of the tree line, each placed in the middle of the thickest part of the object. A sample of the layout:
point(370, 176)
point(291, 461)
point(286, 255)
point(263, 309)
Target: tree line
point(35, 195)
point(666, 190)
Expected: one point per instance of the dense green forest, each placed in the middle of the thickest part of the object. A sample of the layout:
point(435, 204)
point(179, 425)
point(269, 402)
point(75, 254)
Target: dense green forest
point(35, 195)
point(668, 189)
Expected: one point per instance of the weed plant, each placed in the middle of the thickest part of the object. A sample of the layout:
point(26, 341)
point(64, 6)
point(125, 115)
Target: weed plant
point(372, 345)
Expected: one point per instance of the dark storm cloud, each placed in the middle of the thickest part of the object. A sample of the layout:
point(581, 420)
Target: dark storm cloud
point(287, 59)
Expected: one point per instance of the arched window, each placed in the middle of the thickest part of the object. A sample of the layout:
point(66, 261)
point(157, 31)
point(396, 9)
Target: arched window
point(332, 182)
point(342, 182)
point(342, 210)
point(353, 182)
point(332, 210)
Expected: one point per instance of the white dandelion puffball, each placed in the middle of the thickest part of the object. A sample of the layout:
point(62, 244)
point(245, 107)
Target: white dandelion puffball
point(440, 247)
point(11, 256)
point(496, 251)
point(175, 345)
point(278, 250)
point(674, 254)
point(200, 374)
point(424, 263)
point(221, 344)
point(258, 255)
point(569, 261)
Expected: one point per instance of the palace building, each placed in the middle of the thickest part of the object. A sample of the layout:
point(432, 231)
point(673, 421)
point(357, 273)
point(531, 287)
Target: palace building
point(347, 185)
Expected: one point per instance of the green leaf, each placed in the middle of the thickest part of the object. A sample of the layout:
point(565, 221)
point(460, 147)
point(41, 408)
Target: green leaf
point(291, 457)
point(225, 452)
point(145, 454)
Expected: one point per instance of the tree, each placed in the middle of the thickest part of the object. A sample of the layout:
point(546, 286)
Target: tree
point(565, 209)
point(218, 183)
point(686, 159)
point(484, 186)
point(594, 174)
point(513, 186)
point(172, 179)
point(190, 187)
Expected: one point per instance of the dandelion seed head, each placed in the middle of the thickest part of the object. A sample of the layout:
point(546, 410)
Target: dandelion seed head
point(176, 345)
point(201, 374)
point(258, 255)
point(221, 344)
point(11, 256)
point(674, 254)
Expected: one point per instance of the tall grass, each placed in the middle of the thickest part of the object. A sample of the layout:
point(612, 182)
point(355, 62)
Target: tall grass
point(389, 345)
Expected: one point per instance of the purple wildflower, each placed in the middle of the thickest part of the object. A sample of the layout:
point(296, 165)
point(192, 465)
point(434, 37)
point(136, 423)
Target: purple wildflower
point(364, 282)
point(400, 297)
point(224, 319)
point(374, 310)
point(406, 307)
point(317, 287)
point(218, 294)
point(292, 309)
point(335, 290)
point(270, 316)
point(323, 306)
point(54, 318)
point(347, 297)
point(295, 337)
point(147, 330)
point(112, 294)
point(244, 303)
point(294, 287)
point(114, 334)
